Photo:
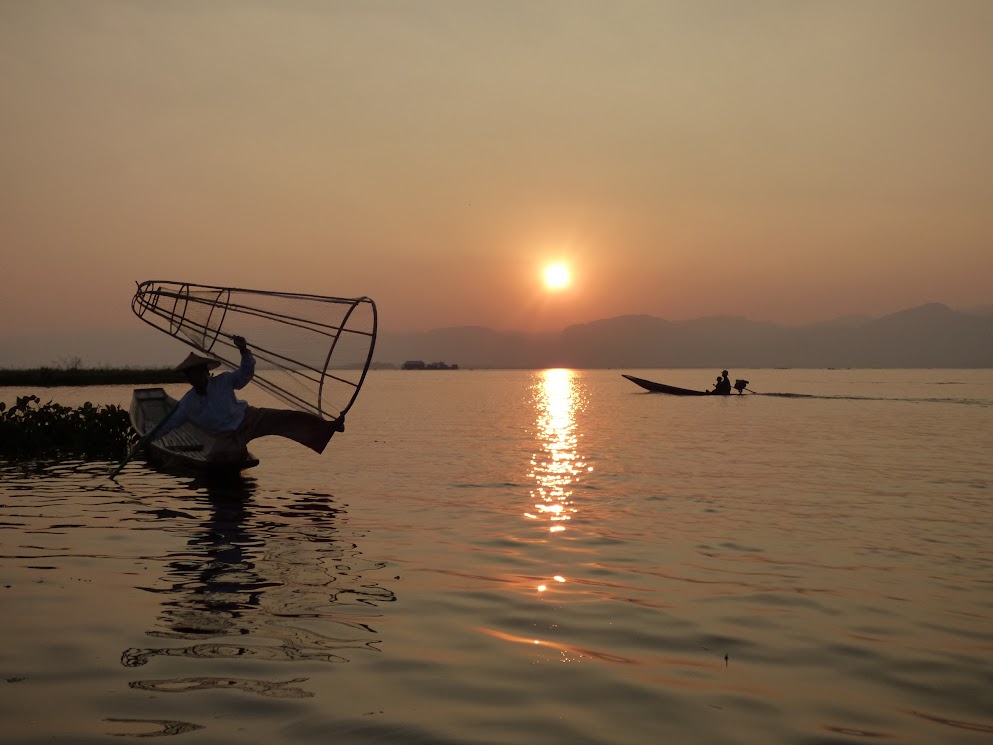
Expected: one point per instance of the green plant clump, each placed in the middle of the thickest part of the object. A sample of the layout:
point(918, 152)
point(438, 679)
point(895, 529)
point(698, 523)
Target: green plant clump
point(30, 429)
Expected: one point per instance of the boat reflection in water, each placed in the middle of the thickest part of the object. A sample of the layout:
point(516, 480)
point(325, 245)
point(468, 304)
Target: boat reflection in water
point(273, 580)
point(556, 466)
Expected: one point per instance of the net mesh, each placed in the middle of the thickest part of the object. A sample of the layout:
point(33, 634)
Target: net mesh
point(312, 352)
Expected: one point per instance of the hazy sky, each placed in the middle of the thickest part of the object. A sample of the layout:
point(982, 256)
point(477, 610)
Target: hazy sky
point(787, 161)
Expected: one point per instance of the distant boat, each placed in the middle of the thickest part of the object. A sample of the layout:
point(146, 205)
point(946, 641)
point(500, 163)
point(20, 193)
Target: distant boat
point(184, 448)
point(651, 385)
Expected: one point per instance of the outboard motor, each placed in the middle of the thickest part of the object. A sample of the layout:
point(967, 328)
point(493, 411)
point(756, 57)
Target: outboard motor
point(740, 385)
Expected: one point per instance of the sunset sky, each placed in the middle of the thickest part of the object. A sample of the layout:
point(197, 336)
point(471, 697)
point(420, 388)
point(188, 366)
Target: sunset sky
point(784, 161)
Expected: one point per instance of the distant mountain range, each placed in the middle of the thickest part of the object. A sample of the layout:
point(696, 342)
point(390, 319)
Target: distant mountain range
point(927, 336)
point(931, 335)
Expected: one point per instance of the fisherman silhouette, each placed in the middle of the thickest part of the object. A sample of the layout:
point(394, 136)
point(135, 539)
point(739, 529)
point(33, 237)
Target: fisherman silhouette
point(211, 405)
point(723, 385)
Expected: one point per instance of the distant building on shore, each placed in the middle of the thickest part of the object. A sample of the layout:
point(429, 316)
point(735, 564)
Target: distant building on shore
point(422, 365)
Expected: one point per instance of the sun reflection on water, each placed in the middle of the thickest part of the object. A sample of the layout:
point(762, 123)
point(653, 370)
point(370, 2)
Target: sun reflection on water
point(556, 465)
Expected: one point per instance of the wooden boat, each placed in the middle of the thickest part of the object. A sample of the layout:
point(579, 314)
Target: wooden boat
point(651, 385)
point(186, 447)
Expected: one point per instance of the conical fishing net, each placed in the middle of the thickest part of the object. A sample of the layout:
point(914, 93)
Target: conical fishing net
point(312, 352)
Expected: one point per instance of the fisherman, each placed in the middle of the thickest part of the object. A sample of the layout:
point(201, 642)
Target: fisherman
point(723, 385)
point(211, 405)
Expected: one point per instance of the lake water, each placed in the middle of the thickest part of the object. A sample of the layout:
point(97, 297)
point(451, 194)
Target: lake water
point(525, 557)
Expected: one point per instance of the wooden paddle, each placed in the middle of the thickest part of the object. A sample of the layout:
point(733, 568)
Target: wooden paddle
point(143, 440)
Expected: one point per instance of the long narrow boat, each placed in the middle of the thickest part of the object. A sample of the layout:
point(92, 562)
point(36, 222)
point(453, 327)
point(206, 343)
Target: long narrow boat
point(650, 385)
point(186, 447)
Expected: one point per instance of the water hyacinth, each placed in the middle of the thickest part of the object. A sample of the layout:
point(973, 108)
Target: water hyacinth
point(30, 429)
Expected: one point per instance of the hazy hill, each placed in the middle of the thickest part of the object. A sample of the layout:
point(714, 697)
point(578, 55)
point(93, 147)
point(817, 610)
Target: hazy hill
point(927, 336)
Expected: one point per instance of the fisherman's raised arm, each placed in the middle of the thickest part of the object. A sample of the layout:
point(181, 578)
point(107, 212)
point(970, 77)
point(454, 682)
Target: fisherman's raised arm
point(246, 371)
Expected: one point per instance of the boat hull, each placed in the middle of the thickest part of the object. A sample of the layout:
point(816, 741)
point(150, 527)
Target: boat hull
point(185, 448)
point(650, 385)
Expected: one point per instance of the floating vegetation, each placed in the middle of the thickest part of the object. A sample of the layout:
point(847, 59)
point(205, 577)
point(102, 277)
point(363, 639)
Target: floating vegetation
point(30, 429)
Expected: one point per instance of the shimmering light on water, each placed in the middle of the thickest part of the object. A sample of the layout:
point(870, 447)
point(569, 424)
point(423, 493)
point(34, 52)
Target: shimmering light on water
point(557, 463)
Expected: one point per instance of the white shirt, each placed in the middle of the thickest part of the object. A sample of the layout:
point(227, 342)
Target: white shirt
point(218, 410)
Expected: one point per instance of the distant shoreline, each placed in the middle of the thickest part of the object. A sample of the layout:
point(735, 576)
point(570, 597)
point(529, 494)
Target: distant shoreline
point(53, 377)
point(49, 377)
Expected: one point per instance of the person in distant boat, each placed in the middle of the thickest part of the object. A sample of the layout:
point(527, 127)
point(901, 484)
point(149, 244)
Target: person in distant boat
point(211, 405)
point(723, 385)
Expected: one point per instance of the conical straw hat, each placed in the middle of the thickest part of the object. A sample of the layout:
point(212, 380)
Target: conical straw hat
point(195, 360)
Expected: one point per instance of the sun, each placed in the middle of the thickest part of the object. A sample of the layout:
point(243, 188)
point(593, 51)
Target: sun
point(557, 276)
